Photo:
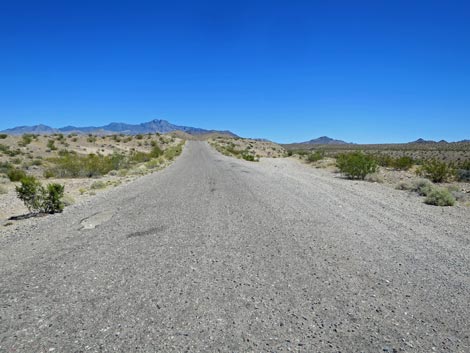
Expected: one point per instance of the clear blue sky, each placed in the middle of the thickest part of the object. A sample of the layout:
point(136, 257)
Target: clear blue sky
point(361, 71)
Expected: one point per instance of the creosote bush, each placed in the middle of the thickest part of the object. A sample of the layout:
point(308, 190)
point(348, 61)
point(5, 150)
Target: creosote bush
point(403, 163)
point(72, 165)
point(38, 198)
point(436, 171)
point(51, 145)
point(356, 165)
point(316, 156)
point(15, 174)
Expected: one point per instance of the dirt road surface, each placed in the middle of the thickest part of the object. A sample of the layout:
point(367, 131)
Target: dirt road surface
point(215, 254)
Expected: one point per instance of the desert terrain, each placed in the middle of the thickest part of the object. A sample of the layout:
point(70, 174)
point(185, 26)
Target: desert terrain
point(215, 253)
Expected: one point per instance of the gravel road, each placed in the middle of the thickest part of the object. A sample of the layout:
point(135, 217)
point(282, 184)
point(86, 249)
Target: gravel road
point(215, 254)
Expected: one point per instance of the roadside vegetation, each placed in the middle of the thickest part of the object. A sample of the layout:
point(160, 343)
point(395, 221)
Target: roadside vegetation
point(40, 199)
point(382, 166)
point(247, 149)
point(82, 164)
point(356, 165)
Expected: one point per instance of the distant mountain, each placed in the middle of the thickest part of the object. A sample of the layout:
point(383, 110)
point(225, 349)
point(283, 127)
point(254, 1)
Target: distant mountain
point(325, 140)
point(154, 126)
point(36, 129)
point(422, 141)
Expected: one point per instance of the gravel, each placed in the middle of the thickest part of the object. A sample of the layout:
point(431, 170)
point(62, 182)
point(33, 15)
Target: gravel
point(215, 254)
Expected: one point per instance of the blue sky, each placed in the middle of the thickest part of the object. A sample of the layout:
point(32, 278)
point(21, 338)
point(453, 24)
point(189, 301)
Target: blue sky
point(361, 71)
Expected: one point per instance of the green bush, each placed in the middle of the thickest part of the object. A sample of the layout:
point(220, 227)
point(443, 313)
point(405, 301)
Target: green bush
point(15, 174)
point(403, 163)
point(422, 186)
point(3, 136)
point(30, 192)
point(38, 198)
point(248, 157)
point(26, 139)
point(356, 165)
point(156, 151)
point(5, 167)
point(52, 198)
point(51, 145)
point(440, 197)
point(436, 171)
point(316, 156)
point(174, 151)
point(72, 165)
point(4, 148)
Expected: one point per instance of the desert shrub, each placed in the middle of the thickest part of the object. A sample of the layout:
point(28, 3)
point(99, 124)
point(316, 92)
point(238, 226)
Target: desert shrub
point(248, 157)
point(98, 185)
point(51, 145)
point(140, 157)
point(374, 178)
point(230, 149)
point(422, 186)
point(383, 160)
point(356, 165)
point(440, 197)
point(154, 163)
point(5, 167)
point(52, 199)
point(31, 193)
point(91, 139)
point(403, 163)
point(15, 174)
point(174, 151)
point(37, 162)
point(463, 171)
point(463, 175)
point(139, 137)
point(436, 171)
point(16, 161)
point(316, 156)
point(26, 139)
point(3, 136)
point(72, 165)
point(403, 185)
point(38, 198)
point(48, 173)
point(115, 138)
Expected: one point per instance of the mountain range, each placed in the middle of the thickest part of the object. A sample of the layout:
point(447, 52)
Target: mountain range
point(154, 126)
